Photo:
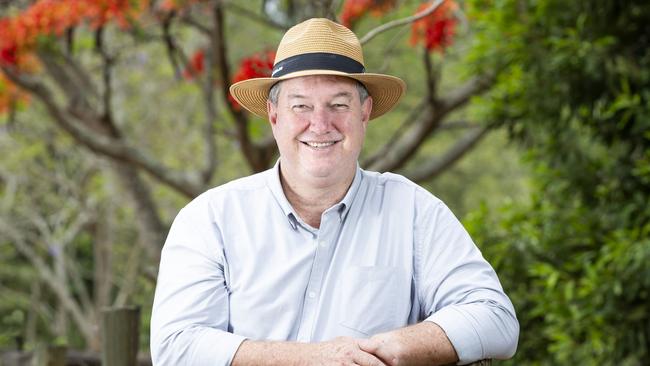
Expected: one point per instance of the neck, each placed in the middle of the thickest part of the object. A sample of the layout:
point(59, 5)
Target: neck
point(311, 199)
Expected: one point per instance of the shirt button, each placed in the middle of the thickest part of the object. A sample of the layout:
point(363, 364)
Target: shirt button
point(311, 294)
point(322, 243)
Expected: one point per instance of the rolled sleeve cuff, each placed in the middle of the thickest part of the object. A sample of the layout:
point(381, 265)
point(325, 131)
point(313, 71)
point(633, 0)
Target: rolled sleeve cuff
point(205, 348)
point(461, 333)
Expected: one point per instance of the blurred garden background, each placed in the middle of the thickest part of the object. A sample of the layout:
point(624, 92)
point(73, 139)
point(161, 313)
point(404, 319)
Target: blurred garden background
point(529, 118)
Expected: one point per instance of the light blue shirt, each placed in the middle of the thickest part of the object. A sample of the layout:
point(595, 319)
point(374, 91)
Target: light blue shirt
point(239, 263)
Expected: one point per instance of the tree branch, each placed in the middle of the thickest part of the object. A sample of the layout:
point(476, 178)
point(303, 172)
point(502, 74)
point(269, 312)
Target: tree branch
point(67, 223)
point(457, 125)
point(107, 65)
point(432, 77)
point(77, 87)
point(77, 283)
point(389, 49)
point(130, 277)
point(436, 166)
point(235, 8)
point(151, 230)
point(60, 290)
point(65, 80)
point(149, 222)
point(116, 149)
point(82, 79)
point(210, 118)
point(205, 84)
point(399, 22)
point(179, 60)
point(465, 92)
point(187, 19)
point(170, 45)
point(103, 232)
point(69, 41)
point(9, 193)
point(396, 153)
point(408, 121)
point(252, 153)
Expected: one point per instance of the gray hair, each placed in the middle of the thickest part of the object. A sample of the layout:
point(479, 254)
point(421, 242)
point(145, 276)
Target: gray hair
point(274, 92)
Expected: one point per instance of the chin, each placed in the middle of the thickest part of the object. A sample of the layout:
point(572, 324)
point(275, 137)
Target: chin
point(329, 167)
point(335, 170)
point(321, 173)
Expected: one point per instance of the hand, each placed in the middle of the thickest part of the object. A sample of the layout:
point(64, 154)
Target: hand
point(338, 351)
point(421, 344)
point(343, 351)
point(383, 347)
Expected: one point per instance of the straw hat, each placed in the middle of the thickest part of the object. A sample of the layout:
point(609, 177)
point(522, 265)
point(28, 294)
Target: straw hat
point(319, 47)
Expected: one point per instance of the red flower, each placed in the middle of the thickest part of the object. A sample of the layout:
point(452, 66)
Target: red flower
point(436, 30)
point(195, 66)
point(51, 18)
point(258, 65)
point(8, 55)
point(355, 9)
point(18, 34)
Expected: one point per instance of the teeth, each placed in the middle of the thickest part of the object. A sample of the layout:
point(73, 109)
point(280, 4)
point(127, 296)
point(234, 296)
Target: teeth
point(320, 144)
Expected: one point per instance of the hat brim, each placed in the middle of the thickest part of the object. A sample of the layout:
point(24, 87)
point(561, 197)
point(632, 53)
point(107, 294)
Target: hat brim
point(385, 90)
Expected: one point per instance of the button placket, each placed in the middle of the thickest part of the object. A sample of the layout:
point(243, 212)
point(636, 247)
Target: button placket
point(312, 294)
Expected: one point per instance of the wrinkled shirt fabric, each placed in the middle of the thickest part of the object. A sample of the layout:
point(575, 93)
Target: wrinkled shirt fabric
point(239, 263)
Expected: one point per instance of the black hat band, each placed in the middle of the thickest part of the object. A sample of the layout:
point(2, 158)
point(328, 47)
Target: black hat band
point(317, 61)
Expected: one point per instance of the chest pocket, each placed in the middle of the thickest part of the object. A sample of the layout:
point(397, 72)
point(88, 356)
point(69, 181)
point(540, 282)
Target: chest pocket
point(370, 298)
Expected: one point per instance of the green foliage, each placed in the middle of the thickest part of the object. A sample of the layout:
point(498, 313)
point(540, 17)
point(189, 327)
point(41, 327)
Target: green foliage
point(576, 257)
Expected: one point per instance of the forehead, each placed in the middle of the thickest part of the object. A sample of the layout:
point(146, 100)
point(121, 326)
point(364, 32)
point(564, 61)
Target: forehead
point(314, 84)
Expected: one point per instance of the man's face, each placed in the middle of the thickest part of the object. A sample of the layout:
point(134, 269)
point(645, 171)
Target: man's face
point(319, 124)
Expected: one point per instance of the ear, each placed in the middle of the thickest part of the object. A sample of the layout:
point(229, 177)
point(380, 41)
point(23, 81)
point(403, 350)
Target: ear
point(366, 109)
point(272, 112)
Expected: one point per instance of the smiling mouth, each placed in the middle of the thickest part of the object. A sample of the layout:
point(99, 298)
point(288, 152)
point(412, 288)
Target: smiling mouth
point(319, 145)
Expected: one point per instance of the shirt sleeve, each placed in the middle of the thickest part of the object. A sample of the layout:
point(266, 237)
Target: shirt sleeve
point(189, 323)
point(459, 290)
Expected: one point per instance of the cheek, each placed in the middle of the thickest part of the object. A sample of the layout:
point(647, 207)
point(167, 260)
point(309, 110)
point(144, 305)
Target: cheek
point(285, 132)
point(361, 136)
point(359, 130)
point(277, 133)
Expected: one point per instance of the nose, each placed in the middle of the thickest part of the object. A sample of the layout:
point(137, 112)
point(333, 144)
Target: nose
point(320, 121)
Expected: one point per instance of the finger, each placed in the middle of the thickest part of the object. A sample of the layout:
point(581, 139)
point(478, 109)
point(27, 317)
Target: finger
point(367, 359)
point(368, 345)
point(379, 350)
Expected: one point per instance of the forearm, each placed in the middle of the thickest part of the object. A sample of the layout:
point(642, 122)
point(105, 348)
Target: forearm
point(338, 351)
point(271, 353)
point(196, 346)
point(422, 344)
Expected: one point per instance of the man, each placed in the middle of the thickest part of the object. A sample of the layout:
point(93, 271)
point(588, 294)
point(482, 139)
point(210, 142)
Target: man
point(317, 262)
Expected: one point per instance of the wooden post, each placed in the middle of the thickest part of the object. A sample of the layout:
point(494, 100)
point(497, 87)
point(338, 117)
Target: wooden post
point(56, 355)
point(120, 336)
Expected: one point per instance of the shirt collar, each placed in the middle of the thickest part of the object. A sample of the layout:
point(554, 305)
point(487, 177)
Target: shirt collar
point(343, 207)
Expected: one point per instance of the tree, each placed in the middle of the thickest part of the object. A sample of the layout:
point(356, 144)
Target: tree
point(143, 85)
point(576, 257)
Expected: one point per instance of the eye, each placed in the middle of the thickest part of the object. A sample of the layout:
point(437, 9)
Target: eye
point(300, 108)
point(340, 106)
